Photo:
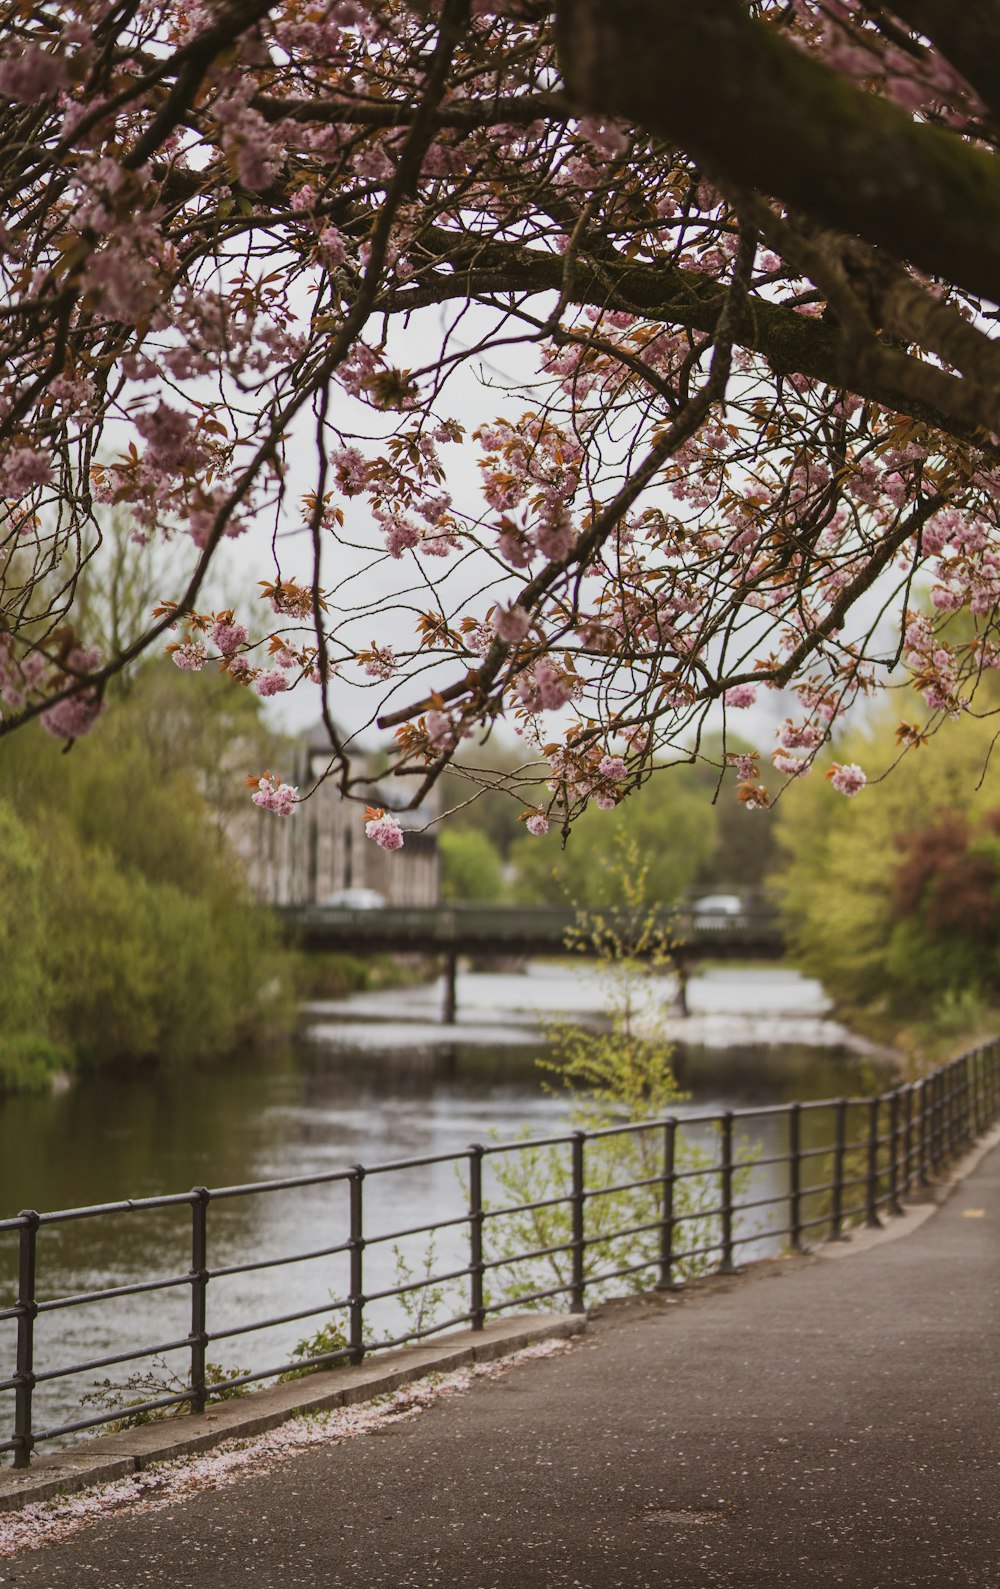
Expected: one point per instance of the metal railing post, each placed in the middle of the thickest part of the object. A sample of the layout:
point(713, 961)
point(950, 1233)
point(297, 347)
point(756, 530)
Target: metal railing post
point(356, 1243)
point(923, 1132)
point(476, 1268)
point(665, 1280)
point(908, 1140)
point(839, 1152)
point(795, 1176)
point(968, 1099)
point(871, 1188)
point(726, 1181)
point(199, 1295)
point(27, 1312)
point(893, 1204)
point(578, 1282)
point(952, 1135)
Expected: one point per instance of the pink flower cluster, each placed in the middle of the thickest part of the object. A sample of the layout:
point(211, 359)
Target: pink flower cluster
point(741, 695)
point(545, 688)
point(385, 831)
point(511, 624)
point(537, 824)
point(847, 779)
point(271, 682)
point(273, 795)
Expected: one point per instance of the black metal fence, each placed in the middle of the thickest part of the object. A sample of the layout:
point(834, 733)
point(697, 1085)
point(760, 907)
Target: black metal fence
point(844, 1161)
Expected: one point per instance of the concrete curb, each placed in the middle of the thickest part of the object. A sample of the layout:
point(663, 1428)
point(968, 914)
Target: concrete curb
point(117, 1456)
point(917, 1210)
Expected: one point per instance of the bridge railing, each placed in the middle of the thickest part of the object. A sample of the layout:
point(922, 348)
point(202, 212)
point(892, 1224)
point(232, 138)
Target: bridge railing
point(695, 1207)
point(543, 927)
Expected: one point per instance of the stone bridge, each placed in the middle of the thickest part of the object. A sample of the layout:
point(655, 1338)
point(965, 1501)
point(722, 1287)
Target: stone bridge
point(502, 930)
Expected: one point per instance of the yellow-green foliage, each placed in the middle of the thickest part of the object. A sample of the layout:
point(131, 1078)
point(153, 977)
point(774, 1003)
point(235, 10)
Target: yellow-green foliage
point(617, 1074)
point(670, 820)
point(841, 857)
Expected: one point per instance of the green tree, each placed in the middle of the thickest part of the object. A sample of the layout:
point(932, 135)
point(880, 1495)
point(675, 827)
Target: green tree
point(839, 884)
point(471, 868)
point(671, 824)
point(128, 935)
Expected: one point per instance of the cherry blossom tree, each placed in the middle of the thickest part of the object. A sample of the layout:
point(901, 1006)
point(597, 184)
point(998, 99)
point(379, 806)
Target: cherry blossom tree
point(737, 265)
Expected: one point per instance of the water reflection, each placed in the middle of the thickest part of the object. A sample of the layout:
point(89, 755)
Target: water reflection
point(371, 1079)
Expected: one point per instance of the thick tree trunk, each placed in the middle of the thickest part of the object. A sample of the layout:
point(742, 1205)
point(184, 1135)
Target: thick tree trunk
point(758, 113)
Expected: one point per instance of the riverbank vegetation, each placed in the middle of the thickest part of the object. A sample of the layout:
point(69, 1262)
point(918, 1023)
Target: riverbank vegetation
point(893, 899)
point(126, 933)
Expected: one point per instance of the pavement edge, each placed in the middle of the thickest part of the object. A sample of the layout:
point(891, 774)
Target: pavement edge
point(117, 1456)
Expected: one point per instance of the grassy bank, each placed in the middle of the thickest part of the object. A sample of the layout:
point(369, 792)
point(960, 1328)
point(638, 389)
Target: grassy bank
point(332, 975)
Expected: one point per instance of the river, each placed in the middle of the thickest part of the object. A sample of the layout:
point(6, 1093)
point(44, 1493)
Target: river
point(370, 1078)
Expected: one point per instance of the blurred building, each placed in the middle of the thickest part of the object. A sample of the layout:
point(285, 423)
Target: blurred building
point(321, 849)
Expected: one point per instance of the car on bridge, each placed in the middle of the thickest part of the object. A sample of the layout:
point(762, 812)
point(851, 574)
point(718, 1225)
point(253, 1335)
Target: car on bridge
point(716, 912)
point(355, 899)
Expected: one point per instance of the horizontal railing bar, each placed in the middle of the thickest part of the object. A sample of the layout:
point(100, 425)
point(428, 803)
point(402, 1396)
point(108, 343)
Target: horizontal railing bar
point(291, 1183)
point(111, 1362)
point(416, 1230)
point(563, 1247)
point(629, 1230)
point(455, 1157)
point(527, 1208)
point(112, 1417)
point(617, 1274)
point(529, 1296)
point(131, 1205)
point(275, 1263)
point(139, 1287)
point(417, 1285)
point(422, 1335)
point(491, 1149)
point(591, 1192)
point(701, 1252)
point(269, 1324)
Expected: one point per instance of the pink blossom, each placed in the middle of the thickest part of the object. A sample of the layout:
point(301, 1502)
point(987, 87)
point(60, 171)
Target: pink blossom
point(271, 683)
point(34, 75)
point(380, 662)
point(351, 469)
point(273, 795)
point(741, 695)
point(441, 730)
point(848, 779)
point(511, 623)
point(385, 831)
point(332, 247)
point(556, 539)
point(612, 768)
point(168, 434)
point(228, 637)
point(537, 824)
point(791, 766)
point(545, 688)
point(74, 717)
point(24, 469)
point(189, 657)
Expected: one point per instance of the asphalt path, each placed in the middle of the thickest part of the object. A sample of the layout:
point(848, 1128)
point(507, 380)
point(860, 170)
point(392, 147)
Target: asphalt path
point(810, 1423)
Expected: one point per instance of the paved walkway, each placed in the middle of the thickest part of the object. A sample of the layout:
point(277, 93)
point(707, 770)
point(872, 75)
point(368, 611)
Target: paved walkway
point(813, 1424)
